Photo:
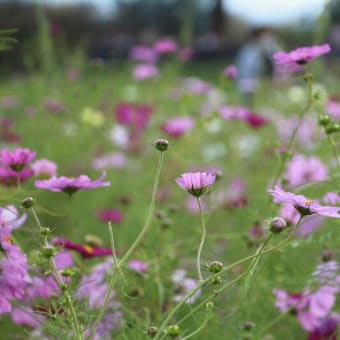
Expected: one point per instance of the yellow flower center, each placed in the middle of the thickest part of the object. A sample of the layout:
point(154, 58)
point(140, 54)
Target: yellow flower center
point(88, 249)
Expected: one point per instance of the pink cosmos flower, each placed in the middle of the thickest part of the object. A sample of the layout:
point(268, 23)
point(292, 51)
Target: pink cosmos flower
point(183, 285)
point(230, 72)
point(196, 183)
point(113, 215)
point(311, 308)
point(138, 266)
point(45, 168)
point(116, 160)
point(302, 204)
point(86, 251)
point(178, 126)
point(17, 159)
point(143, 54)
point(327, 330)
point(10, 177)
point(333, 108)
point(71, 185)
point(165, 46)
point(136, 116)
point(302, 170)
point(302, 55)
point(145, 71)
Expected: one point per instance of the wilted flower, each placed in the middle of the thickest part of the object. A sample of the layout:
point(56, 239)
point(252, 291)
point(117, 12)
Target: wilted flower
point(302, 55)
point(302, 204)
point(196, 183)
point(178, 126)
point(71, 185)
point(17, 159)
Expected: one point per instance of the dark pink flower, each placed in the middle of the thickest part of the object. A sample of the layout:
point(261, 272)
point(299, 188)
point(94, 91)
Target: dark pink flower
point(302, 204)
point(86, 251)
point(113, 215)
point(178, 126)
point(230, 72)
point(10, 177)
point(17, 159)
point(196, 183)
point(302, 55)
point(133, 115)
point(254, 120)
point(327, 330)
point(71, 185)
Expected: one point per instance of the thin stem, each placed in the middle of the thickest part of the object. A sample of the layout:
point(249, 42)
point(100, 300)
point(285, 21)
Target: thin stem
point(204, 323)
point(116, 269)
point(268, 251)
point(293, 135)
point(272, 323)
point(61, 285)
point(198, 261)
point(149, 216)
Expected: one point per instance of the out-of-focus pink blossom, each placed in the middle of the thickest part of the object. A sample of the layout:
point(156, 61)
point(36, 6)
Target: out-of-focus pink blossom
point(230, 72)
point(143, 54)
point(145, 71)
point(178, 126)
point(112, 215)
point(44, 168)
point(133, 115)
point(138, 266)
point(165, 46)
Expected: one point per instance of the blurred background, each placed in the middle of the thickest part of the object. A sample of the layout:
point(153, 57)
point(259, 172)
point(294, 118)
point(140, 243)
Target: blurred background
point(107, 29)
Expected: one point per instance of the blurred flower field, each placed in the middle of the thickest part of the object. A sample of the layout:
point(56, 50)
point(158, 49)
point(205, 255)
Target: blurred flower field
point(111, 172)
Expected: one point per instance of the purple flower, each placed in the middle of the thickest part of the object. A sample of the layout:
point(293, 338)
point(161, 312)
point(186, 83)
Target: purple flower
point(17, 159)
point(230, 72)
point(302, 55)
point(138, 266)
point(71, 185)
point(25, 316)
point(333, 108)
point(145, 71)
point(311, 308)
point(302, 170)
point(45, 168)
point(327, 330)
point(143, 54)
point(196, 183)
point(113, 215)
point(165, 46)
point(183, 285)
point(302, 204)
point(178, 126)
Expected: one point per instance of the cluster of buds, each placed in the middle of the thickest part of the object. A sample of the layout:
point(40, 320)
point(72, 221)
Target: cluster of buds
point(328, 124)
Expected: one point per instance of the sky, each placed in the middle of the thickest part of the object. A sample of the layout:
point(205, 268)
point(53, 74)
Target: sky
point(258, 12)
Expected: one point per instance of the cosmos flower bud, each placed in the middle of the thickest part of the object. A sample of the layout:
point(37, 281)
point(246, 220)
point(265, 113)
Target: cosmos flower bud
point(248, 325)
point(209, 305)
point(152, 331)
point(216, 280)
point(161, 144)
point(215, 266)
point(173, 331)
point(324, 120)
point(28, 202)
point(327, 255)
point(277, 225)
point(332, 128)
point(44, 231)
point(49, 251)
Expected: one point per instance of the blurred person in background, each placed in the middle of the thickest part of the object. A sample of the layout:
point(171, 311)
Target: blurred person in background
point(253, 61)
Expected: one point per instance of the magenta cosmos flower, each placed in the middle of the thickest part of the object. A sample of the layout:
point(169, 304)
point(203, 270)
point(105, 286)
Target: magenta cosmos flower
point(71, 185)
point(302, 55)
point(145, 71)
point(17, 159)
point(302, 204)
point(196, 183)
point(111, 215)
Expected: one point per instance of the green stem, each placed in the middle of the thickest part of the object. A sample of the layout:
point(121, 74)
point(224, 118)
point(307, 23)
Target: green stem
point(268, 251)
point(204, 323)
point(116, 269)
point(293, 135)
point(198, 261)
point(62, 286)
point(149, 216)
